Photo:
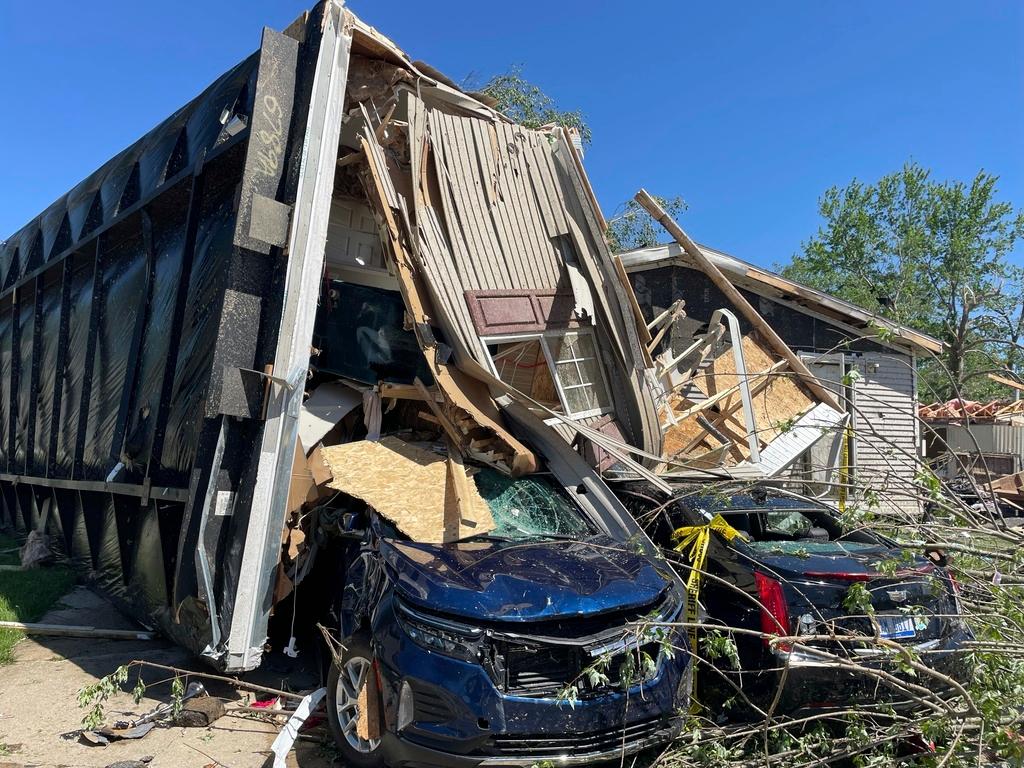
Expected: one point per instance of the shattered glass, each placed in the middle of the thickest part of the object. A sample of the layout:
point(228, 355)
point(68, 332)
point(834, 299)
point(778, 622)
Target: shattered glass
point(829, 548)
point(529, 508)
point(787, 523)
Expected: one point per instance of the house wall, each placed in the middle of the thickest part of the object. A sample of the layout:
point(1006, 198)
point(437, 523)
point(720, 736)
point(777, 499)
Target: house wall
point(886, 445)
point(885, 422)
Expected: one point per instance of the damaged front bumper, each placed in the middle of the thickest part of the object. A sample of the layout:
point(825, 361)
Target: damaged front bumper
point(441, 710)
point(570, 750)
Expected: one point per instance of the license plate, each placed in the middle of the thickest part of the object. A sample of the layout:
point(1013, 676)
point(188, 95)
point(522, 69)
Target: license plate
point(896, 627)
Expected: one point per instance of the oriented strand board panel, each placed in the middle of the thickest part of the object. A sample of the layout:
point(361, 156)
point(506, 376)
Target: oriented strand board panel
point(782, 400)
point(777, 403)
point(678, 436)
point(409, 486)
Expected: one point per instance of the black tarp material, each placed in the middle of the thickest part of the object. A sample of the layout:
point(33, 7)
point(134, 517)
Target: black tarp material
point(122, 276)
point(198, 336)
point(6, 445)
point(79, 312)
point(25, 334)
point(49, 341)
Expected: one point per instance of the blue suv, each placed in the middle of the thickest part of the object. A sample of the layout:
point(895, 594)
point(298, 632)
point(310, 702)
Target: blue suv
point(546, 639)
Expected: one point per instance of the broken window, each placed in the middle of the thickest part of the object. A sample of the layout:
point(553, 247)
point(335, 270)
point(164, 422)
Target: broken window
point(529, 508)
point(561, 371)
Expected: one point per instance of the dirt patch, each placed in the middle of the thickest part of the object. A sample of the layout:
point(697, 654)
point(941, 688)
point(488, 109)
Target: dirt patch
point(39, 714)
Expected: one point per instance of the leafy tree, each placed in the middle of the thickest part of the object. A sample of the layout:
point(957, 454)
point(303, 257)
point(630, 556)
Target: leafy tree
point(932, 255)
point(528, 105)
point(634, 227)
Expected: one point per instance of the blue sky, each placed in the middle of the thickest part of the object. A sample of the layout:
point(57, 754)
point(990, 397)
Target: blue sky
point(748, 110)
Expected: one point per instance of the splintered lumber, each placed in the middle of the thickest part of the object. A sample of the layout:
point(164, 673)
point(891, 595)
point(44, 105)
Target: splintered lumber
point(673, 314)
point(746, 309)
point(418, 490)
point(69, 630)
point(638, 316)
point(457, 389)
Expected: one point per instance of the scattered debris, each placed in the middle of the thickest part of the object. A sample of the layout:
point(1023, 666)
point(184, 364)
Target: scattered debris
point(194, 690)
point(142, 762)
point(286, 738)
point(103, 736)
point(200, 712)
point(36, 550)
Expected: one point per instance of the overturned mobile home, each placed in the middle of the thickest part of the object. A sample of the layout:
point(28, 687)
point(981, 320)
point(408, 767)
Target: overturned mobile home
point(328, 196)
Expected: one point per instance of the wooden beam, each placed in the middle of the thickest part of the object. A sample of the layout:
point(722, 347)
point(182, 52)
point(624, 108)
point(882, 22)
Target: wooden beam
point(1008, 382)
point(62, 630)
point(460, 490)
point(677, 310)
point(737, 299)
point(638, 316)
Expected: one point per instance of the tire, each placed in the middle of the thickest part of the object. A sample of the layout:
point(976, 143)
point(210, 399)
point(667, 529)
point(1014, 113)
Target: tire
point(355, 666)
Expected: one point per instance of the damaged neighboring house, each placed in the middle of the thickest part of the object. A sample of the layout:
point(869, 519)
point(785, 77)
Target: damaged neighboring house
point(718, 397)
point(979, 440)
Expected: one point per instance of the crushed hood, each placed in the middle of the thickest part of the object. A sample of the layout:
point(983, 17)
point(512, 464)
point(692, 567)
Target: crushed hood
point(519, 582)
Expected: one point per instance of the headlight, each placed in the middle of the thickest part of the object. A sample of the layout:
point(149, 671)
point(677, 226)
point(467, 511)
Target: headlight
point(441, 635)
point(669, 610)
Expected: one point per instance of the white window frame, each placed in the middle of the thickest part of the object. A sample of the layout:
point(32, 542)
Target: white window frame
point(542, 337)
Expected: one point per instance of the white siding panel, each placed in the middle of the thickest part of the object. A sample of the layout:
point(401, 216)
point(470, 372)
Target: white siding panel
point(886, 445)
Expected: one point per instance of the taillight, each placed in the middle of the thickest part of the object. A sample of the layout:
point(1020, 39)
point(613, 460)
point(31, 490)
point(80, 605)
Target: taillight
point(774, 610)
point(955, 584)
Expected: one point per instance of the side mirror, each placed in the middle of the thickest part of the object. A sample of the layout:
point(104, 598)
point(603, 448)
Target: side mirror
point(350, 528)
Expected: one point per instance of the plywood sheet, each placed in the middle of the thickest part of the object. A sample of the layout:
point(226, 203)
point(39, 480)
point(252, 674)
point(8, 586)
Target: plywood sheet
point(776, 403)
point(411, 487)
point(779, 402)
point(678, 436)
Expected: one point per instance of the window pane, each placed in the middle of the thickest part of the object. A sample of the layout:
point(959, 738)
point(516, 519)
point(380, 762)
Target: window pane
point(573, 346)
point(579, 372)
point(522, 365)
point(580, 399)
point(569, 374)
point(592, 375)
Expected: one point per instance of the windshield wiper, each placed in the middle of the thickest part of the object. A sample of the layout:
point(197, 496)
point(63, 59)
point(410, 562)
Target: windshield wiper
point(485, 537)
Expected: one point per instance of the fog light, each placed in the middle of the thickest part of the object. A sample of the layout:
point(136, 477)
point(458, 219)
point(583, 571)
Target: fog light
point(406, 707)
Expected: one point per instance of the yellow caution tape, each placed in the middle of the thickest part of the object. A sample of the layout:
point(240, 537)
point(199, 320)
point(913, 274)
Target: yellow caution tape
point(693, 541)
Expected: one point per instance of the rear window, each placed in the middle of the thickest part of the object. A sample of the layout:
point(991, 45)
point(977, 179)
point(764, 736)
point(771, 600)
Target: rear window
point(775, 519)
point(828, 548)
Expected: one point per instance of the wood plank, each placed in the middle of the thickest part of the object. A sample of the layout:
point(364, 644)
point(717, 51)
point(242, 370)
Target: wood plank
point(69, 630)
point(638, 315)
point(736, 298)
point(1008, 382)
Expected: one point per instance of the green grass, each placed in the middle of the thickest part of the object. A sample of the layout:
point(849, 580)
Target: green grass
point(26, 595)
